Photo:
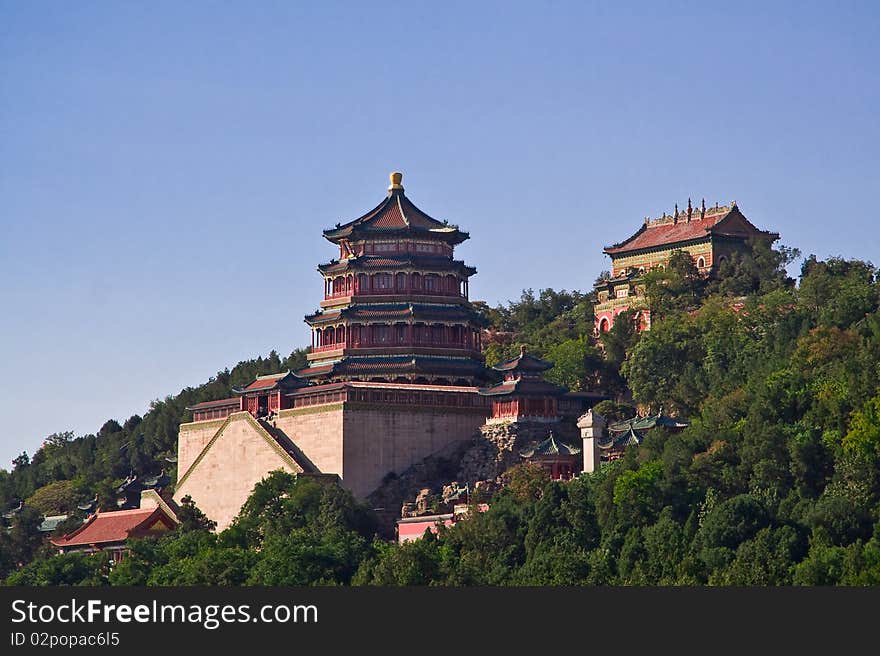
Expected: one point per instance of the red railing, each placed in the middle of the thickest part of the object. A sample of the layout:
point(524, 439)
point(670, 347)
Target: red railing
point(391, 291)
point(391, 344)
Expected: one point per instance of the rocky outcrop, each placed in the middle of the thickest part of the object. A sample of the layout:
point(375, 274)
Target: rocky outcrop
point(434, 485)
point(498, 446)
point(416, 485)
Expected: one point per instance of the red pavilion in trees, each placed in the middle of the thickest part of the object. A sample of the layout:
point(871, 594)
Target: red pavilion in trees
point(524, 395)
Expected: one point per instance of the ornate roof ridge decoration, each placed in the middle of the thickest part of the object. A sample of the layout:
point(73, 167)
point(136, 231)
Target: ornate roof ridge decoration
point(628, 438)
point(551, 447)
point(647, 422)
point(396, 213)
point(666, 219)
point(683, 227)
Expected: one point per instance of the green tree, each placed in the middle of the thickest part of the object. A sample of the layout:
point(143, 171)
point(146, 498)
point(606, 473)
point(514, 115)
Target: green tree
point(759, 269)
point(56, 498)
point(69, 569)
point(575, 364)
point(679, 286)
point(191, 518)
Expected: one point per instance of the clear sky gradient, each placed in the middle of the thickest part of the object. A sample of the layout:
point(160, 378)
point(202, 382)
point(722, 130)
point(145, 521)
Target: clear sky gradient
point(166, 168)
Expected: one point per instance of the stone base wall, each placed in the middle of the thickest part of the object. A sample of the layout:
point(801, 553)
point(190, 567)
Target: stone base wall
point(362, 443)
point(380, 440)
point(192, 439)
point(317, 431)
point(224, 475)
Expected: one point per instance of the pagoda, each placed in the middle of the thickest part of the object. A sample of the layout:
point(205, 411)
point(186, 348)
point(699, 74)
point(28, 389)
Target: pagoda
point(395, 305)
point(523, 394)
point(709, 235)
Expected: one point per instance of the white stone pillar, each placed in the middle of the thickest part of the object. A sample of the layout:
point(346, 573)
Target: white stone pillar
point(592, 427)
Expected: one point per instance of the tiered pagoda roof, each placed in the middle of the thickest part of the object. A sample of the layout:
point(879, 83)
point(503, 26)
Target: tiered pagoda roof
point(403, 310)
point(522, 376)
point(399, 238)
point(404, 261)
point(693, 225)
point(364, 366)
point(396, 214)
point(525, 386)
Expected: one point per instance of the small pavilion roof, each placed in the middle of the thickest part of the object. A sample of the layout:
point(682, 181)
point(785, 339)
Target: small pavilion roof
point(51, 522)
point(551, 447)
point(396, 214)
point(219, 403)
point(135, 483)
point(524, 362)
point(284, 380)
point(647, 423)
point(621, 441)
point(525, 387)
point(12, 512)
point(116, 526)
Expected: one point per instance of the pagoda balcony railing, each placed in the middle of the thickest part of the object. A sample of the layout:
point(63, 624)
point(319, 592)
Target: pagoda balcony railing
point(391, 344)
point(328, 347)
point(624, 301)
point(391, 291)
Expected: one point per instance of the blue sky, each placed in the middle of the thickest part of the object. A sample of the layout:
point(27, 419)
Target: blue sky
point(166, 168)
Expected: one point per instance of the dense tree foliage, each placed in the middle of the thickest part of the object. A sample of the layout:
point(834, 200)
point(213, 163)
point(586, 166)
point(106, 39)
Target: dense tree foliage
point(776, 480)
point(292, 531)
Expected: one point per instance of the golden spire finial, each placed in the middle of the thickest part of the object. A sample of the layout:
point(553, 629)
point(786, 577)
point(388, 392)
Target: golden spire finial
point(396, 178)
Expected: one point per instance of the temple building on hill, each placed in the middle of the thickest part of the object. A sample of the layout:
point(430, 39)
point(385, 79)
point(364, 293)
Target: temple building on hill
point(394, 374)
point(109, 531)
point(606, 443)
point(395, 306)
point(708, 235)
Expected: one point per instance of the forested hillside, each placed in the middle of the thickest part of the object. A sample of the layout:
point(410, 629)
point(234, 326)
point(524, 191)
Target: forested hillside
point(775, 481)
